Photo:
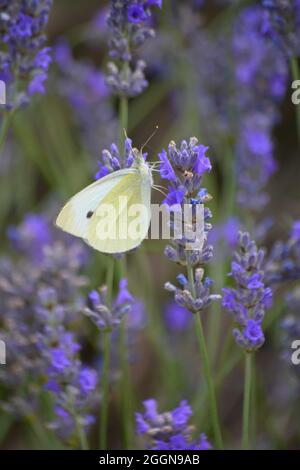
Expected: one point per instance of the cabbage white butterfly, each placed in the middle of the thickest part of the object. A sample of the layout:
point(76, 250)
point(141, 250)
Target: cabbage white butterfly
point(96, 215)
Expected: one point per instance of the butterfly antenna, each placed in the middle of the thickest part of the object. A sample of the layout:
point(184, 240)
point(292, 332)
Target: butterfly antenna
point(149, 138)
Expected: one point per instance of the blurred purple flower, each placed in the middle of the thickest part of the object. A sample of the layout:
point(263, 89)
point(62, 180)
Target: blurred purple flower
point(136, 13)
point(282, 24)
point(169, 430)
point(225, 233)
point(24, 62)
point(108, 317)
point(31, 236)
point(295, 232)
point(177, 318)
point(84, 88)
point(39, 300)
point(283, 262)
point(261, 73)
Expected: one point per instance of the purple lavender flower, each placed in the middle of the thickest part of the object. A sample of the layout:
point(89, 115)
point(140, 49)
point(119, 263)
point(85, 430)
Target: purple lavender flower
point(184, 169)
point(261, 74)
point(202, 298)
point(39, 300)
point(250, 298)
point(295, 232)
point(31, 236)
point(282, 24)
point(72, 384)
point(180, 442)
point(84, 88)
point(105, 317)
point(283, 263)
point(136, 13)
point(169, 430)
point(224, 234)
point(177, 318)
point(24, 60)
point(113, 160)
point(129, 24)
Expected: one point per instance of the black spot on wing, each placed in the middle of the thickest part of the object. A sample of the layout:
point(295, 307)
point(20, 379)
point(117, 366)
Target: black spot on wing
point(89, 214)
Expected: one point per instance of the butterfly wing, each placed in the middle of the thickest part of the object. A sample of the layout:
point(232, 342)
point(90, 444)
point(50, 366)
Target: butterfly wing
point(77, 214)
point(124, 208)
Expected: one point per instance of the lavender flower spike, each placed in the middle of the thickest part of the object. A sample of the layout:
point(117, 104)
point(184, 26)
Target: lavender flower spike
point(184, 167)
point(283, 262)
point(282, 24)
point(129, 25)
point(169, 430)
point(24, 60)
point(105, 317)
point(250, 298)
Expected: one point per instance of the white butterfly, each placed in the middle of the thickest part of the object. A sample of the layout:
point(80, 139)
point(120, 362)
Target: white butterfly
point(87, 213)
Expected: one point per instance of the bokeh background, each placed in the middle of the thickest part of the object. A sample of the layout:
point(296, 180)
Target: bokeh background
point(210, 77)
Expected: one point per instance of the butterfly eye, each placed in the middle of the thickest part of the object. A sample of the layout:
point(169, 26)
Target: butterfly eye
point(89, 214)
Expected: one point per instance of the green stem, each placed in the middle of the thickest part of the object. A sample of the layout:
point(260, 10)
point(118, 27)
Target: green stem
point(215, 317)
point(123, 119)
point(105, 385)
point(246, 406)
point(206, 366)
point(106, 361)
point(81, 435)
point(110, 279)
point(296, 76)
point(126, 388)
point(4, 129)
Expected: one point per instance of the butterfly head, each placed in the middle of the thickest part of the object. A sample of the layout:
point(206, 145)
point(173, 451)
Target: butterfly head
point(142, 165)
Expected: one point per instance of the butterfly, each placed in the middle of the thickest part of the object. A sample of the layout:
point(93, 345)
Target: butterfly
point(99, 213)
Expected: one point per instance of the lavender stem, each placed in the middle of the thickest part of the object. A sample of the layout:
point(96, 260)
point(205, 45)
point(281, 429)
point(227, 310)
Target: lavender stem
point(247, 396)
point(105, 384)
point(206, 365)
point(4, 129)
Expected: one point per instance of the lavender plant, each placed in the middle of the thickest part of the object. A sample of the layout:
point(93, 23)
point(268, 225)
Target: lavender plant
point(72, 384)
point(184, 168)
point(282, 24)
point(107, 317)
point(170, 430)
point(83, 86)
point(283, 262)
point(221, 70)
point(24, 59)
point(130, 26)
point(114, 160)
point(247, 303)
point(260, 90)
point(40, 300)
